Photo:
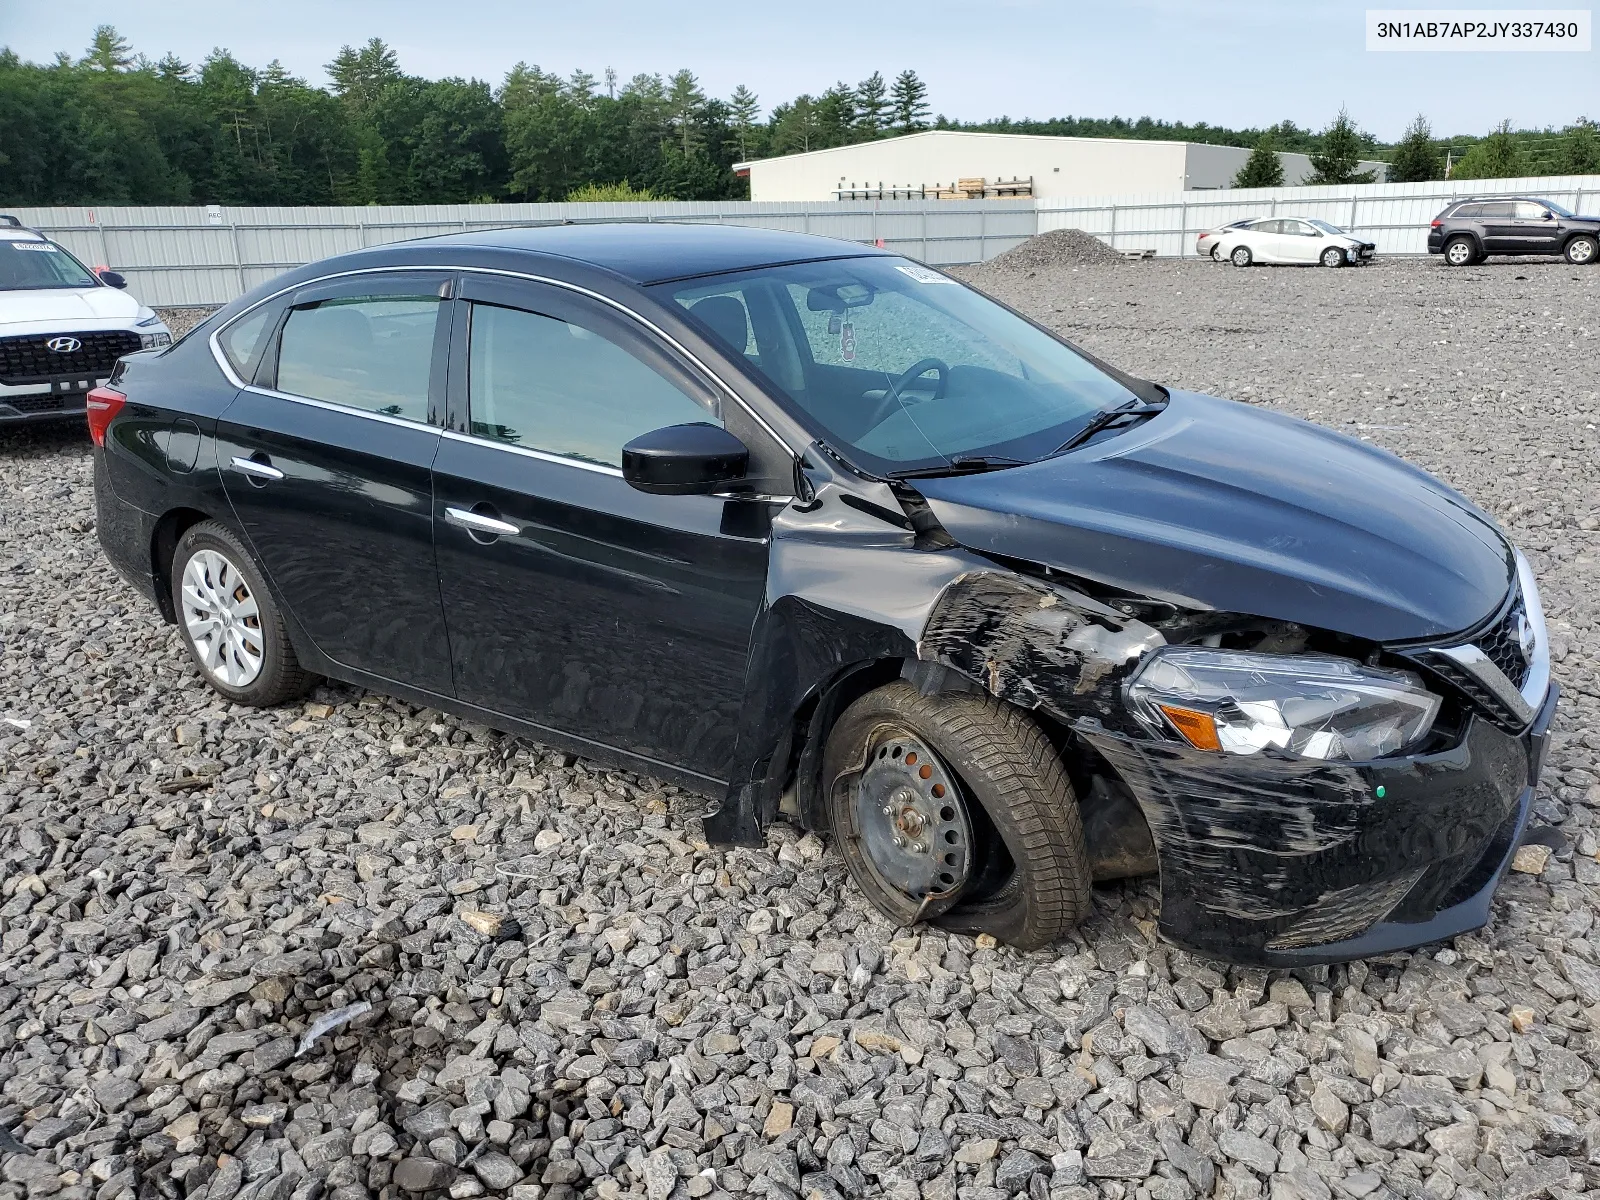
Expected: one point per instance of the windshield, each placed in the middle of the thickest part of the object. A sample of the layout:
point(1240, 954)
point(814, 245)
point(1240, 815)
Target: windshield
point(27, 265)
point(1326, 228)
point(1557, 209)
point(899, 367)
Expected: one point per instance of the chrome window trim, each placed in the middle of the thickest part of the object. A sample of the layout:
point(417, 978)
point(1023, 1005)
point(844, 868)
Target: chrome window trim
point(715, 379)
point(348, 410)
point(528, 452)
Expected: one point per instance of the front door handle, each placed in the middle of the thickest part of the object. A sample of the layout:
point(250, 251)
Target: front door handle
point(478, 523)
point(260, 470)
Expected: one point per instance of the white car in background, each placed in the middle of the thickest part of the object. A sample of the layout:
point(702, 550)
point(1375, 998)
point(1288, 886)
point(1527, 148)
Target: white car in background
point(1205, 245)
point(1294, 241)
point(62, 327)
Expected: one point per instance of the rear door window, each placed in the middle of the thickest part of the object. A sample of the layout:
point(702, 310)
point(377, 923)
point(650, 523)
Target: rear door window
point(372, 352)
point(1500, 210)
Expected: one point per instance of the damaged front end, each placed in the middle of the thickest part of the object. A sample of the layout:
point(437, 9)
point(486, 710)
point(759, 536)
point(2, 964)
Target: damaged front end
point(1288, 834)
point(1315, 809)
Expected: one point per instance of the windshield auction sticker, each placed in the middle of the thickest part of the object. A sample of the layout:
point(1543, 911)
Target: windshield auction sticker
point(1479, 29)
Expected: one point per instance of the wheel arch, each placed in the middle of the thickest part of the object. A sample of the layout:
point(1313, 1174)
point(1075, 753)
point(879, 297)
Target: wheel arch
point(164, 537)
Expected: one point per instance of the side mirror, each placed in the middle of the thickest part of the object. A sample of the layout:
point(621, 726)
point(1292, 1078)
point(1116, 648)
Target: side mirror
point(110, 278)
point(684, 460)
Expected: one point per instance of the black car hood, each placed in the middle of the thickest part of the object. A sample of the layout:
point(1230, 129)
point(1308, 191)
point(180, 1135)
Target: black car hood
point(1218, 505)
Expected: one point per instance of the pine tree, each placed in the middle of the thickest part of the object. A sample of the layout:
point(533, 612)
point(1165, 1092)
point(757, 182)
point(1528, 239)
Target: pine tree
point(359, 75)
point(794, 125)
point(109, 51)
point(909, 102)
point(1496, 157)
point(684, 99)
point(1579, 153)
point(872, 104)
point(836, 116)
point(745, 109)
point(1416, 158)
point(1263, 168)
point(1339, 159)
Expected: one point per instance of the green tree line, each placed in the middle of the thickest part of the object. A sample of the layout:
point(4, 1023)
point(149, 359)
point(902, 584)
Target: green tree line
point(115, 127)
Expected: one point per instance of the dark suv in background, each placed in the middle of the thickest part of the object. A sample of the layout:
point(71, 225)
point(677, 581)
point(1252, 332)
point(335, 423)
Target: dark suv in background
point(1471, 230)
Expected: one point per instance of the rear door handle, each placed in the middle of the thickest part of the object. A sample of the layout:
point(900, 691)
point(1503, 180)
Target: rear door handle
point(479, 523)
point(260, 470)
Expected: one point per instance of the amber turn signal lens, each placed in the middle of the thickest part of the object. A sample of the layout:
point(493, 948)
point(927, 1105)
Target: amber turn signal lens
point(1198, 728)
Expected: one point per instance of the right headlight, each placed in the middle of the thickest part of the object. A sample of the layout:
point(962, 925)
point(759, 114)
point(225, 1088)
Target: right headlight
point(1309, 705)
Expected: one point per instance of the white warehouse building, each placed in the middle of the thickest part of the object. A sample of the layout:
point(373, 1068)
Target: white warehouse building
point(1052, 166)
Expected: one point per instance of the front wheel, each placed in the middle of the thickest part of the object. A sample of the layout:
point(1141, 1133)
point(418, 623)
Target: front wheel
point(1581, 250)
point(230, 622)
point(1241, 256)
point(1333, 257)
point(956, 808)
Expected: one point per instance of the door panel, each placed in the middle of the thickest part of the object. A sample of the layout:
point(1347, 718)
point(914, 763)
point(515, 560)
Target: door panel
point(589, 607)
point(345, 532)
point(1538, 232)
point(1501, 234)
point(611, 615)
point(333, 486)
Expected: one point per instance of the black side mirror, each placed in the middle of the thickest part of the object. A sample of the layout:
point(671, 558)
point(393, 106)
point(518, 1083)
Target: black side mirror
point(111, 278)
point(684, 460)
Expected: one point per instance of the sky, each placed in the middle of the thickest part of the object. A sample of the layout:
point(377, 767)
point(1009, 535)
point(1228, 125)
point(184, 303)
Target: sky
point(1238, 63)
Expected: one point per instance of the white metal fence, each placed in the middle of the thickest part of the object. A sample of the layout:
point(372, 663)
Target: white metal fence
point(208, 255)
point(1395, 216)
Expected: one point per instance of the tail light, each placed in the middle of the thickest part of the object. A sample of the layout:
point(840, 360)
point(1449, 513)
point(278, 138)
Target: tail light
point(1435, 223)
point(103, 405)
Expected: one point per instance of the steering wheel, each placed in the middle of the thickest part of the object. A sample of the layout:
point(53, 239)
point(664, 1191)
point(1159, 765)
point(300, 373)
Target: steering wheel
point(916, 370)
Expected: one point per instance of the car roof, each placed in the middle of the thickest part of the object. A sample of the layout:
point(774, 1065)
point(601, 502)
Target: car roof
point(656, 251)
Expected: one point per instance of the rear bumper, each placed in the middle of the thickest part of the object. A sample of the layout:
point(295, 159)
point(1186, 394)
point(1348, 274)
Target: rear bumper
point(1280, 863)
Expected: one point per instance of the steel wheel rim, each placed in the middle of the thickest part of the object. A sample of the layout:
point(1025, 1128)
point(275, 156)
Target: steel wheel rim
point(911, 821)
point(1460, 253)
point(222, 619)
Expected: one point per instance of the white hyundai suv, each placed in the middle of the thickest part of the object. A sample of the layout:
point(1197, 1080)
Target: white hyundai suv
point(62, 327)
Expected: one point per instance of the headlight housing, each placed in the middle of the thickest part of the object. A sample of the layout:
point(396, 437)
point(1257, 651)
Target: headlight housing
point(1312, 706)
point(149, 341)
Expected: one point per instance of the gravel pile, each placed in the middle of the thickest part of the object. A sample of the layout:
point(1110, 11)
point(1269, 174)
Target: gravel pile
point(1053, 250)
point(543, 984)
point(181, 320)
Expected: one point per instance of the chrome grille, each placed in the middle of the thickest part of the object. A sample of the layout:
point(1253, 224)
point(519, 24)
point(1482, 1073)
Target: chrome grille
point(1502, 642)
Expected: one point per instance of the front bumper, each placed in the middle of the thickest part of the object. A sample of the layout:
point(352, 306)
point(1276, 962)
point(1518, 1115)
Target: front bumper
point(27, 407)
point(1279, 862)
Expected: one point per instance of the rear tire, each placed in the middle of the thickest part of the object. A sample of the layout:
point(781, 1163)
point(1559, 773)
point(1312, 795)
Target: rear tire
point(1333, 257)
point(1241, 256)
point(1029, 875)
point(1581, 250)
point(230, 622)
point(1461, 252)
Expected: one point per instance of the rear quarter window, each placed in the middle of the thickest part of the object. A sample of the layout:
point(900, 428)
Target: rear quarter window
point(243, 341)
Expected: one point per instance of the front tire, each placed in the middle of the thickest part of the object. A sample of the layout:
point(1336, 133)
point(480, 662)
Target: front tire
point(1241, 256)
point(1581, 250)
point(1006, 833)
point(1460, 252)
point(230, 622)
point(1333, 257)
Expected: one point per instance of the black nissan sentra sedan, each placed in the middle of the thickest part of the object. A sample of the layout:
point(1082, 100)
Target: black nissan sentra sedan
point(818, 531)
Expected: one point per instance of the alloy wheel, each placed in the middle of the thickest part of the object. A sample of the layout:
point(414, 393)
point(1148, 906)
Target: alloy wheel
point(222, 619)
point(912, 820)
point(1459, 253)
point(1580, 251)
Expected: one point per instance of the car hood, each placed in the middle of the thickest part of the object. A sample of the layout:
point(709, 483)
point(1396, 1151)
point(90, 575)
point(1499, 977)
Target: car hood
point(56, 307)
point(1218, 505)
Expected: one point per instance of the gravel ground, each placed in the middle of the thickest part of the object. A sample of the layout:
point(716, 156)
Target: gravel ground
point(571, 994)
